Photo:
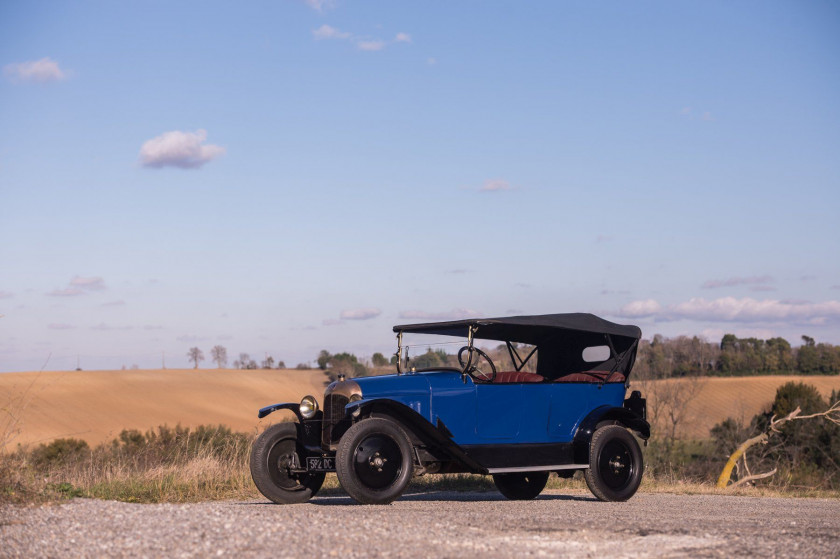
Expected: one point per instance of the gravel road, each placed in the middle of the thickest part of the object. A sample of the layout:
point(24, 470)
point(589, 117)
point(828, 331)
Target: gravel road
point(440, 524)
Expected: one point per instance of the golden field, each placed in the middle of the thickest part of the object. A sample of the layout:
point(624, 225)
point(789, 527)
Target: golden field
point(97, 405)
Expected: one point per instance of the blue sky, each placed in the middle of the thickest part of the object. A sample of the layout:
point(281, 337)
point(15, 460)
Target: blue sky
point(292, 175)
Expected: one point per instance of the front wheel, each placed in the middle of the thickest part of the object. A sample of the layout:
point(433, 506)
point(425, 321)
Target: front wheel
point(521, 486)
point(615, 464)
point(374, 461)
point(274, 456)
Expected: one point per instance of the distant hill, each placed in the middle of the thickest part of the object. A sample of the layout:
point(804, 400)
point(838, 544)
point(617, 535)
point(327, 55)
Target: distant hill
point(97, 405)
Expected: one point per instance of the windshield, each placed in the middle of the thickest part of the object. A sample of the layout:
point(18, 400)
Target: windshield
point(425, 352)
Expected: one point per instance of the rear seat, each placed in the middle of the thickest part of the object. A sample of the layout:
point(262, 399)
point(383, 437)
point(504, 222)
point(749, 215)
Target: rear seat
point(590, 376)
point(516, 376)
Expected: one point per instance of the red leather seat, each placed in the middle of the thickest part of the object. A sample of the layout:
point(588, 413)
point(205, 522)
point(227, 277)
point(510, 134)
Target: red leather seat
point(517, 376)
point(590, 376)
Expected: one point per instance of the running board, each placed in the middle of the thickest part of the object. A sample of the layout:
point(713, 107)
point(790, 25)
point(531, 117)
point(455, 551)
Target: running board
point(537, 468)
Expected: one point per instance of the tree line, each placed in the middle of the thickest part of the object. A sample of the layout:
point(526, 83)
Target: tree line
point(683, 356)
point(219, 356)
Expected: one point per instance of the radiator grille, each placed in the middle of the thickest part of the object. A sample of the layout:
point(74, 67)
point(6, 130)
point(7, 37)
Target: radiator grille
point(333, 413)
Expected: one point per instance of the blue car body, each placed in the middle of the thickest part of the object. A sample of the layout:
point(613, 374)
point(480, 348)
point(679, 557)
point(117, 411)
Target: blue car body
point(478, 414)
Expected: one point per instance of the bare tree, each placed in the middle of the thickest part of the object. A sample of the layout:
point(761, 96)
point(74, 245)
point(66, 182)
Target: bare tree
point(832, 414)
point(219, 355)
point(195, 356)
point(242, 362)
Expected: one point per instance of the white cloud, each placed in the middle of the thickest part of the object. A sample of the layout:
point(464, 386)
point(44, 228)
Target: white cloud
point(34, 71)
point(455, 314)
point(66, 292)
point(329, 32)
point(638, 309)
point(60, 326)
point(735, 281)
point(360, 314)
point(179, 149)
point(495, 185)
point(90, 284)
point(431, 61)
point(402, 38)
point(730, 309)
point(371, 45)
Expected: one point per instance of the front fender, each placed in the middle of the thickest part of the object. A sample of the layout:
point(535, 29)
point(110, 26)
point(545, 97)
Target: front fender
point(273, 408)
point(418, 428)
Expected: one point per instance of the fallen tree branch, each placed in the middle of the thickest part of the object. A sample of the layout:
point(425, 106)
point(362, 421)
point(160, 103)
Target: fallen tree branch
point(748, 479)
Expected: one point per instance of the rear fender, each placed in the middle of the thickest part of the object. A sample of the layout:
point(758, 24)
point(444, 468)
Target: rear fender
point(610, 414)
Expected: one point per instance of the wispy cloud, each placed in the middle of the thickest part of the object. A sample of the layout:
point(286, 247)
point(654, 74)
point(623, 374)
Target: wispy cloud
point(331, 322)
point(320, 5)
point(66, 292)
point(107, 327)
point(88, 284)
point(118, 303)
point(6, 295)
point(60, 326)
point(34, 71)
point(185, 150)
point(454, 314)
point(731, 309)
point(329, 32)
point(736, 281)
point(373, 45)
point(189, 338)
point(494, 185)
point(360, 314)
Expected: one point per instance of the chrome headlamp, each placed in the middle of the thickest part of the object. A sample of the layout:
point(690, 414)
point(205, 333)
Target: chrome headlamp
point(308, 407)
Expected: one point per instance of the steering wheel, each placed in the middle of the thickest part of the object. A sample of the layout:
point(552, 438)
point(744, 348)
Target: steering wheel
point(471, 367)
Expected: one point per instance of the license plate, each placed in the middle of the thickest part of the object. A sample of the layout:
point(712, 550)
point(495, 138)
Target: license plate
point(320, 464)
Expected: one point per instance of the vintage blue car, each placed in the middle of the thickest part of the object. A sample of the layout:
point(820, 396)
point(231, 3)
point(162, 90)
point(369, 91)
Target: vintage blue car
point(569, 414)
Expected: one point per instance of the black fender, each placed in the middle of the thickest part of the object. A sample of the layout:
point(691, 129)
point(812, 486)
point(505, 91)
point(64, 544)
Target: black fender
point(587, 427)
point(417, 427)
point(274, 407)
point(308, 430)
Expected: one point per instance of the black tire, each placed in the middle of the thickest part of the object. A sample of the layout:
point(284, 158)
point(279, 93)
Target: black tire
point(374, 461)
point(271, 457)
point(521, 486)
point(615, 464)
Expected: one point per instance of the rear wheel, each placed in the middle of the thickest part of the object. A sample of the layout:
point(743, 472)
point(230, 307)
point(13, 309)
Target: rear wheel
point(522, 486)
point(273, 457)
point(374, 461)
point(615, 464)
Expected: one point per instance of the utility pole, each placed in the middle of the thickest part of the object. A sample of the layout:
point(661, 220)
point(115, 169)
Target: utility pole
point(163, 359)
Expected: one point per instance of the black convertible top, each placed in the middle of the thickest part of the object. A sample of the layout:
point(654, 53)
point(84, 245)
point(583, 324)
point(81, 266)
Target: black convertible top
point(525, 329)
point(560, 338)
